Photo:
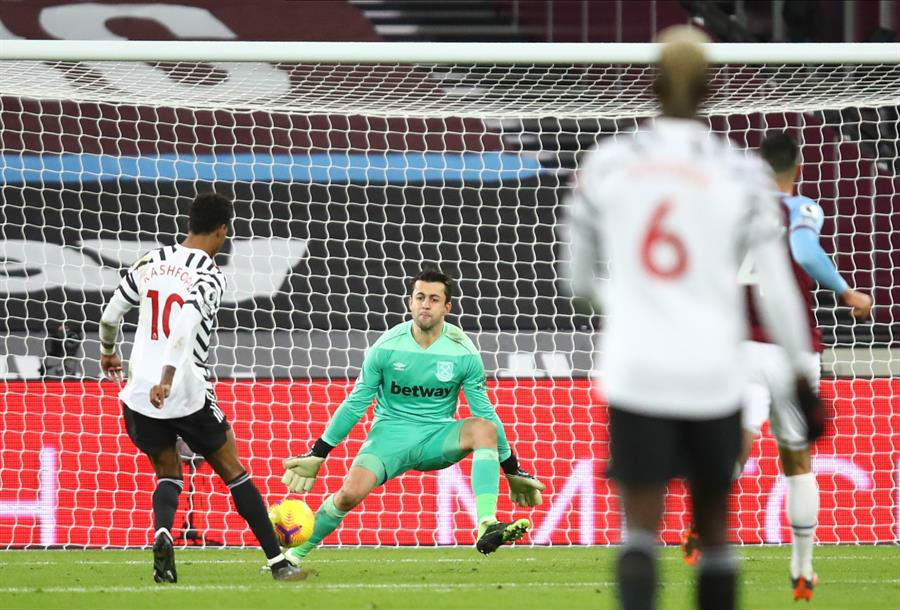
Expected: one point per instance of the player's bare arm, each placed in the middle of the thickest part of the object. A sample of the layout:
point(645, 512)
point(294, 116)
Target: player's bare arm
point(110, 360)
point(122, 301)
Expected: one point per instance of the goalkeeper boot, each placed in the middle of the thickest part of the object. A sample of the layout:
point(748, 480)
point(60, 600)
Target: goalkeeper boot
point(690, 546)
point(164, 560)
point(288, 572)
point(493, 535)
point(803, 588)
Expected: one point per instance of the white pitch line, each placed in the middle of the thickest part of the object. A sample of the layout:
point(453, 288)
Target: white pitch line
point(110, 562)
point(175, 588)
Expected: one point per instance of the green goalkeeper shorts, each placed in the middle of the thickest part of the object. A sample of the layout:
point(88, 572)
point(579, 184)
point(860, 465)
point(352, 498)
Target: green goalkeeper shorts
point(392, 448)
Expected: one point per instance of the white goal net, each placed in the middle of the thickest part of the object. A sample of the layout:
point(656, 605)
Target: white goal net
point(348, 177)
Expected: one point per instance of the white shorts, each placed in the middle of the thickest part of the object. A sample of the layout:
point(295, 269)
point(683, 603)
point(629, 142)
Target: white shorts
point(770, 393)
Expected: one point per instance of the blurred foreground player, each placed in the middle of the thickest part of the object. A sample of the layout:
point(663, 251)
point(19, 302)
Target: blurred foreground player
point(674, 209)
point(169, 394)
point(769, 393)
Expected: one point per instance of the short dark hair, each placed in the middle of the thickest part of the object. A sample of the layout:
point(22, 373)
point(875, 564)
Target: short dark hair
point(780, 151)
point(208, 212)
point(434, 275)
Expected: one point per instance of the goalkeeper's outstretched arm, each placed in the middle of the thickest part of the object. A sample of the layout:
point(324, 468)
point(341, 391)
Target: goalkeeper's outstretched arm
point(357, 402)
point(300, 472)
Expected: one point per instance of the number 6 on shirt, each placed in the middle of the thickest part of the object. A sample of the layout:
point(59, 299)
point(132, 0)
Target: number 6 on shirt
point(657, 236)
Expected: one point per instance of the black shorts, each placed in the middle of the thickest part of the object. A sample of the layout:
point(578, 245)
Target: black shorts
point(204, 431)
point(645, 449)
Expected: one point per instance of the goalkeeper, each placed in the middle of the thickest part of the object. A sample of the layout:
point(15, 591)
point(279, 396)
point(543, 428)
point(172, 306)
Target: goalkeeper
point(416, 370)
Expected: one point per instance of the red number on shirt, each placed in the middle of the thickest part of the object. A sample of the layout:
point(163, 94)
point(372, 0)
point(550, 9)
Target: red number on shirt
point(658, 236)
point(166, 312)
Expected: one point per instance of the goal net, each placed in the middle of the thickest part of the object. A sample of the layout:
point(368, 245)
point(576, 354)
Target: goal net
point(348, 177)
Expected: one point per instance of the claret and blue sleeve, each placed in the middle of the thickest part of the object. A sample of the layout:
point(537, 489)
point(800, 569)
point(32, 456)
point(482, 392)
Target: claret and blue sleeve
point(806, 220)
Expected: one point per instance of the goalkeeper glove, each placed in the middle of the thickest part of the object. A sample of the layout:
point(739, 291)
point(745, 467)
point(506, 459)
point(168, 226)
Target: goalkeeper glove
point(300, 471)
point(524, 489)
point(811, 408)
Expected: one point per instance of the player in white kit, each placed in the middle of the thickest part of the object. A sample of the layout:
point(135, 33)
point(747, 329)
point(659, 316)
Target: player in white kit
point(169, 392)
point(769, 393)
point(674, 209)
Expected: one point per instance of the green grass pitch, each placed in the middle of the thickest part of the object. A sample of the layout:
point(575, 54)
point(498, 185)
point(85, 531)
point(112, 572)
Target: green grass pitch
point(858, 577)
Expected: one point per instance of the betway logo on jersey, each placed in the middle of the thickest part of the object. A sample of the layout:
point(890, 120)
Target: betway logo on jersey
point(32, 266)
point(419, 390)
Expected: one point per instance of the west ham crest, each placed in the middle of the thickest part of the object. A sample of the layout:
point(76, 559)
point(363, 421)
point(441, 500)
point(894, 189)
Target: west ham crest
point(444, 371)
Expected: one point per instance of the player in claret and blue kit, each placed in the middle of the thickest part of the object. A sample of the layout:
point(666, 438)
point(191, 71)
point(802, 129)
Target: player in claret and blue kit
point(769, 393)
point(415, 372)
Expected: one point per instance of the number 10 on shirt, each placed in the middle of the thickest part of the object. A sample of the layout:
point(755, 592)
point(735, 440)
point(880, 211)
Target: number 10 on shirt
point(173, 298)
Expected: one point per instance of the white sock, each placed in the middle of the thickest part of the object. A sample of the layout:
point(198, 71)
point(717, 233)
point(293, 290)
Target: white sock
point(276, 559)
point(803, 514)
point(162, 530)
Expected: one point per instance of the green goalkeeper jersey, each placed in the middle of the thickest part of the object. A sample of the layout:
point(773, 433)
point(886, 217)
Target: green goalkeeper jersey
point(414, 386)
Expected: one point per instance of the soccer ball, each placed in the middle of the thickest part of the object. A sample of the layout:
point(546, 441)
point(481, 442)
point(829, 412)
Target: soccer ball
point(293, 522)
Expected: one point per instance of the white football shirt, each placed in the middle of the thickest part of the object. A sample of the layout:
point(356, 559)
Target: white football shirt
point(671, 210)
point(160, 283)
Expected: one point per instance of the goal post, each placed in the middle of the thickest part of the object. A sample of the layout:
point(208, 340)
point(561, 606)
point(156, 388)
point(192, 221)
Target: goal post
point(352, 165)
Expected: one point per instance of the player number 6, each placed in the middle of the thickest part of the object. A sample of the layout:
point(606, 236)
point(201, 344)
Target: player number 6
point(658, 236)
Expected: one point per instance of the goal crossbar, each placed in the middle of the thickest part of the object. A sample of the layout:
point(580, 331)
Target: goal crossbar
point(438, 53)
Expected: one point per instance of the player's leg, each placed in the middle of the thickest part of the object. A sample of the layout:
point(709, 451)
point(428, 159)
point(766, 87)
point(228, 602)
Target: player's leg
point(449, 444)
point(247, 499)
point(167, 465)
point(755, 412)
point(207, 432)
point(643, 457)
point(365, 474)
point(713, 447)
point(155, 438)
point(802, 501)
point(169, 483)
point(479, 436)
point(756, 402)
point(387, 453)
point(789, 429)
point(642, 505)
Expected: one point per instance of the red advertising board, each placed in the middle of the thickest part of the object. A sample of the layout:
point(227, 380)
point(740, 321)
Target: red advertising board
point(70, 476)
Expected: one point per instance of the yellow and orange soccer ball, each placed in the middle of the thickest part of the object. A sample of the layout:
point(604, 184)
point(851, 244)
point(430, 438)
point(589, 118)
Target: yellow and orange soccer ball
point(293, 522)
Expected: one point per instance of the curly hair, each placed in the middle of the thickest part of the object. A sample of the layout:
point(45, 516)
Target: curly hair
point(208, 212)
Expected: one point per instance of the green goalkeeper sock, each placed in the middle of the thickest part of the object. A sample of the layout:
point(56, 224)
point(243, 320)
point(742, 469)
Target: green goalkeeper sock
point(328, 518)
point(485, 483)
